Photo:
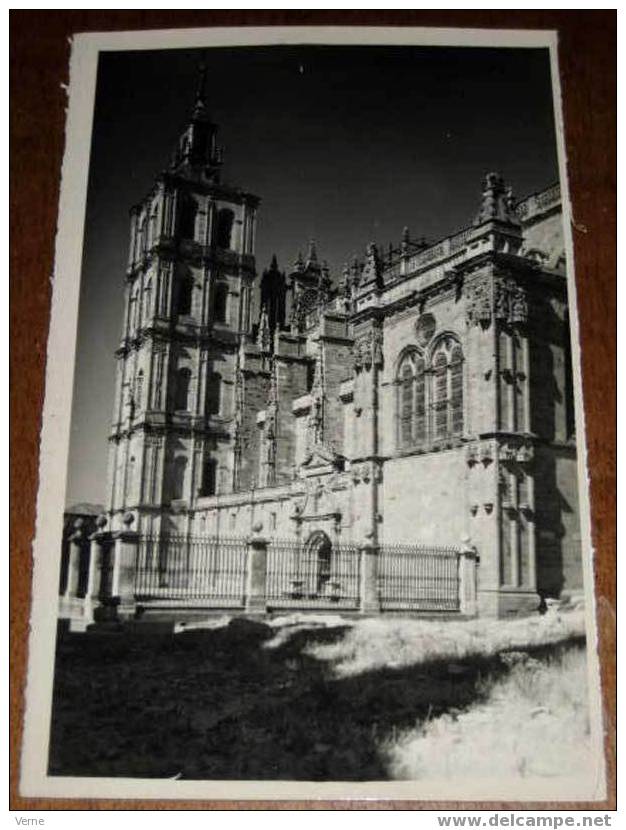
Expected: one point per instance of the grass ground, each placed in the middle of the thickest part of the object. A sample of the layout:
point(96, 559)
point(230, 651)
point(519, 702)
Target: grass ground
point(533, 722)
point(284, 702)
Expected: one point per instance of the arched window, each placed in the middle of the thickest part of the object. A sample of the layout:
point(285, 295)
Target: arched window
point(411, 400)
point(178, 476)
point(185, 295)
point(437, 389)
point(440, 396)
point(133, 309)
point(419, 434)
point(447, 394)
point(220, 302)
point(406, 405)
point(209, 477)
point(187, 219)
point(140, 239)
point(181, 397)
point(213, 393)
point(456, 390)
point(152, 227)
point(225, 219)
point(147, 300)
point(318, 561)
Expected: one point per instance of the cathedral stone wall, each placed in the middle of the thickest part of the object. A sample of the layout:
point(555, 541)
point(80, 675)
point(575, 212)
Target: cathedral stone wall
point(557, 520)
point(422, 397)
point(425, 500)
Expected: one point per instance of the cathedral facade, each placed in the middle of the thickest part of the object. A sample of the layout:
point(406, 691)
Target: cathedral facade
point(422, 396)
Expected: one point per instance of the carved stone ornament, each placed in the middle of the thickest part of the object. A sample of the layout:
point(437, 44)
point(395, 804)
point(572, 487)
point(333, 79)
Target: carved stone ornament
point(478, 308)
point(524, 454)
point(518, 305)
point(487, 453)
point(507, 452)
point(471, 455)
point(377, 348)
point(425, 328)
point(510, 301)
point(366, 472)
point(367, 351)
point(510, 304)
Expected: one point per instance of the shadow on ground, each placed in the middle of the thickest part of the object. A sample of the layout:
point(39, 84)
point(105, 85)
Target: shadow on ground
point(217, 705)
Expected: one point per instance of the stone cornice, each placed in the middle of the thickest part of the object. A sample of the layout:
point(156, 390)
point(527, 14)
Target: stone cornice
point(162, 423)
point(169, 249)
point(217, 190)
point(196, 335)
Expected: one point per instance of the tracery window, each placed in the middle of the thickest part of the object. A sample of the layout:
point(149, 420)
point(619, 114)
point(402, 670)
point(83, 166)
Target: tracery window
point(447, 363)
point(430, 394)
point(412, 404)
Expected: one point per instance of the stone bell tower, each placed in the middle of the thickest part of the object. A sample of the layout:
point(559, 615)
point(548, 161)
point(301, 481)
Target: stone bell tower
point(187, 305)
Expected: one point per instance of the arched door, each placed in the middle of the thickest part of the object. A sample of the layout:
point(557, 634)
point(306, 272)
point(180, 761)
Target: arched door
point(318, 556)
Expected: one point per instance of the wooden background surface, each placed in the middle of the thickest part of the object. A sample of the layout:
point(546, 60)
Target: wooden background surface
point(39, 55)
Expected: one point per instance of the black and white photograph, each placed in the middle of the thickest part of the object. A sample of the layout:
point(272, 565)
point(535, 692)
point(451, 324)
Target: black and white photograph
point(313, 516)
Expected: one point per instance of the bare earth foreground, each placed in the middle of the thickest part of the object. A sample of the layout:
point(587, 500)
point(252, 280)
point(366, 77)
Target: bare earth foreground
point(324, 699)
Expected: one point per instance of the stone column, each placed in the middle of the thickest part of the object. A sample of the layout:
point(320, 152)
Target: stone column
point(368, 588)
point(124, 566)
point(468, 579)
point(81, 614)
point(256, 571)
point(76, 544)
point(99, 541)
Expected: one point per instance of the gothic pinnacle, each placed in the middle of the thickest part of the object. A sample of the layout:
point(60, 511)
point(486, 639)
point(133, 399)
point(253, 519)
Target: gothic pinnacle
point(263, 336)
point(312, 255)
point(405, 240)
point(199, 108)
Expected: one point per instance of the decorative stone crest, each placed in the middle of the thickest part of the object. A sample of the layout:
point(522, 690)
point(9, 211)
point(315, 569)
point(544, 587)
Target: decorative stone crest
point(425, 328)
point(367, 350)
point(525, 454)
point(510, 301)
point(472, 454)
point(518, 312)
point(478, 299)
point(487, 452)
point(366, 472)
point(508, 305)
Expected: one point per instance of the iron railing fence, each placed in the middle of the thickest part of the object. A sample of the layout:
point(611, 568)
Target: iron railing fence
point(213, 570)
point(418, 578)
point(172, 567)
point(301, 575)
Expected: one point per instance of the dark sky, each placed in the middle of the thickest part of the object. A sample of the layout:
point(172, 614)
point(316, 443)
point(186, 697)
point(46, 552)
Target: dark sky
point(345, 145)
